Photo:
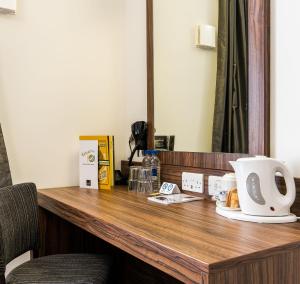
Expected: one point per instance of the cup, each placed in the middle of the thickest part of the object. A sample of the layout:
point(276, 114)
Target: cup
point(228, 182)
point(133, 178)
point(145, 185)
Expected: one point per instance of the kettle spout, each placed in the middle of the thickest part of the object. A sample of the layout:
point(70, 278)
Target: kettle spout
point(233, 164)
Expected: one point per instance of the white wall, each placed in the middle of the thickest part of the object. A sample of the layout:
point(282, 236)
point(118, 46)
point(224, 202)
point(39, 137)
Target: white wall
point(67, 68)
point(69, 56)
point(285, 89)
point(184, 75)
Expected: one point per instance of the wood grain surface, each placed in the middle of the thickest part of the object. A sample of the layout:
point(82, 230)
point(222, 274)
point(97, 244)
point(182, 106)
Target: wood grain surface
point(188, 241)
point(259, 76)
point(212, 161)
point(59, 236)
point(150, 74)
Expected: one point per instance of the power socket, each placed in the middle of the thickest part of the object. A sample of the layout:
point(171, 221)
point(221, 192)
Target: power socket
point(193, 182)
point(214, 185)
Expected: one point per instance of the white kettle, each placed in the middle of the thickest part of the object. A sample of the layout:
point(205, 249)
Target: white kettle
point(257, 189)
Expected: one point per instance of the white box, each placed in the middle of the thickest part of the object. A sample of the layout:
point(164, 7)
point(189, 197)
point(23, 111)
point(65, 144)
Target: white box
point(88, 164)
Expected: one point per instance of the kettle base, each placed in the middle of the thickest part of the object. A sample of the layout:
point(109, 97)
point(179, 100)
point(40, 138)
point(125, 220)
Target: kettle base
point(239, 215)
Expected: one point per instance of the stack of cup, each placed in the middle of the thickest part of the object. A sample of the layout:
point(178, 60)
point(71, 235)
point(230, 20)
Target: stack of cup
point(140, 180)
point(228, 183)
point(133, 178)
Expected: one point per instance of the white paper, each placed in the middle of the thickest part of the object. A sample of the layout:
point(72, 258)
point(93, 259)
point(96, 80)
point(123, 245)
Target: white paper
point(88, 164)
point(174, 198)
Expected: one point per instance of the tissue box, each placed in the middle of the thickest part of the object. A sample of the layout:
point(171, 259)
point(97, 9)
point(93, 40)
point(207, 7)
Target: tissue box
point(98, 173)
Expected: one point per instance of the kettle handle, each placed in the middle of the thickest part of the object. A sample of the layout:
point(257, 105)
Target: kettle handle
point(289, 198)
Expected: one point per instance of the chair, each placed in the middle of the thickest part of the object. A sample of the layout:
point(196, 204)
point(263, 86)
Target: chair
point(5, 177)
point(19, 234)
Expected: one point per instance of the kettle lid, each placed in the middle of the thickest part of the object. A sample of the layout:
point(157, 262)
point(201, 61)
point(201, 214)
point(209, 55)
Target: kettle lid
point(256, 158)
point(231, 177)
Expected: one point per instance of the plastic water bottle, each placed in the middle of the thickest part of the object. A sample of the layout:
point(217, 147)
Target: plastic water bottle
point(146, 163)
point(155, 167)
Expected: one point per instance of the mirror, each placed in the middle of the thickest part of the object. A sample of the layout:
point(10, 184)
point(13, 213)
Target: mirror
point(200, 75)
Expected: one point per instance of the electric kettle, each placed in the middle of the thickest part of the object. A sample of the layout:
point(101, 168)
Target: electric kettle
point(257, 189)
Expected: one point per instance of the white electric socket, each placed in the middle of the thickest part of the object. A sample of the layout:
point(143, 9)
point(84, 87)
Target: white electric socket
point(214, 185)
point(193, 182)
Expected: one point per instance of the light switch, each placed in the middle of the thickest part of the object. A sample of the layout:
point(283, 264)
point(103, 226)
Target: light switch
point(205, 36)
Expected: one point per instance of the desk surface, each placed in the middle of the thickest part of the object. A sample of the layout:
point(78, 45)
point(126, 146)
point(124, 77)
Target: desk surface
point(183, 240)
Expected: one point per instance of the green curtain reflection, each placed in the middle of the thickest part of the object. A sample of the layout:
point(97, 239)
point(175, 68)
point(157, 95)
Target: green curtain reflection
point(230, 131)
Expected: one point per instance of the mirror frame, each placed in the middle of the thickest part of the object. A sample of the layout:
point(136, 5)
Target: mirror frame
point(259, 94)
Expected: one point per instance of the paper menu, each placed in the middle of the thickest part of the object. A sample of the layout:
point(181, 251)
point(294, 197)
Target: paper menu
point(88, 163)
point(104, 158)
point(174, 198)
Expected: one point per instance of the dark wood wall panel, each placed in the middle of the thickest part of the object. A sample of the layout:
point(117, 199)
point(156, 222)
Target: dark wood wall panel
point(215, 161)
point(296, 206)
point(259, 76)
point(170, 173)
point(173, 173)
point(150, 75)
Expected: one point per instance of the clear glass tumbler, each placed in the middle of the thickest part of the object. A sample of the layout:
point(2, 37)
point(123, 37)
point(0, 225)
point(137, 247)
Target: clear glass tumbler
point(134, 172)
point(145, 185)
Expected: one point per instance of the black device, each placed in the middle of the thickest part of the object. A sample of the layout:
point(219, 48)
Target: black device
point(119, 178)
point(138, 137)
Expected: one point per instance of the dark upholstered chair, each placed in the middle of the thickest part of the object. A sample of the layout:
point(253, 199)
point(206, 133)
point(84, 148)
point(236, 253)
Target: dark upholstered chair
point(5, 177)
point(19, 234)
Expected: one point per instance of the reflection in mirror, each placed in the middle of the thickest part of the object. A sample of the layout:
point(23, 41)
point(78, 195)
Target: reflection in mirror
point(200, 75)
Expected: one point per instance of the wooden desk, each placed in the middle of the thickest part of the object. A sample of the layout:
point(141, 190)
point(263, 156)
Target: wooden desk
point(187, 241)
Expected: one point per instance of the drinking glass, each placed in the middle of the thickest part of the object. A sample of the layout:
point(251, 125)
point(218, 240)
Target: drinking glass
point(145, 181)
point(133, 178)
